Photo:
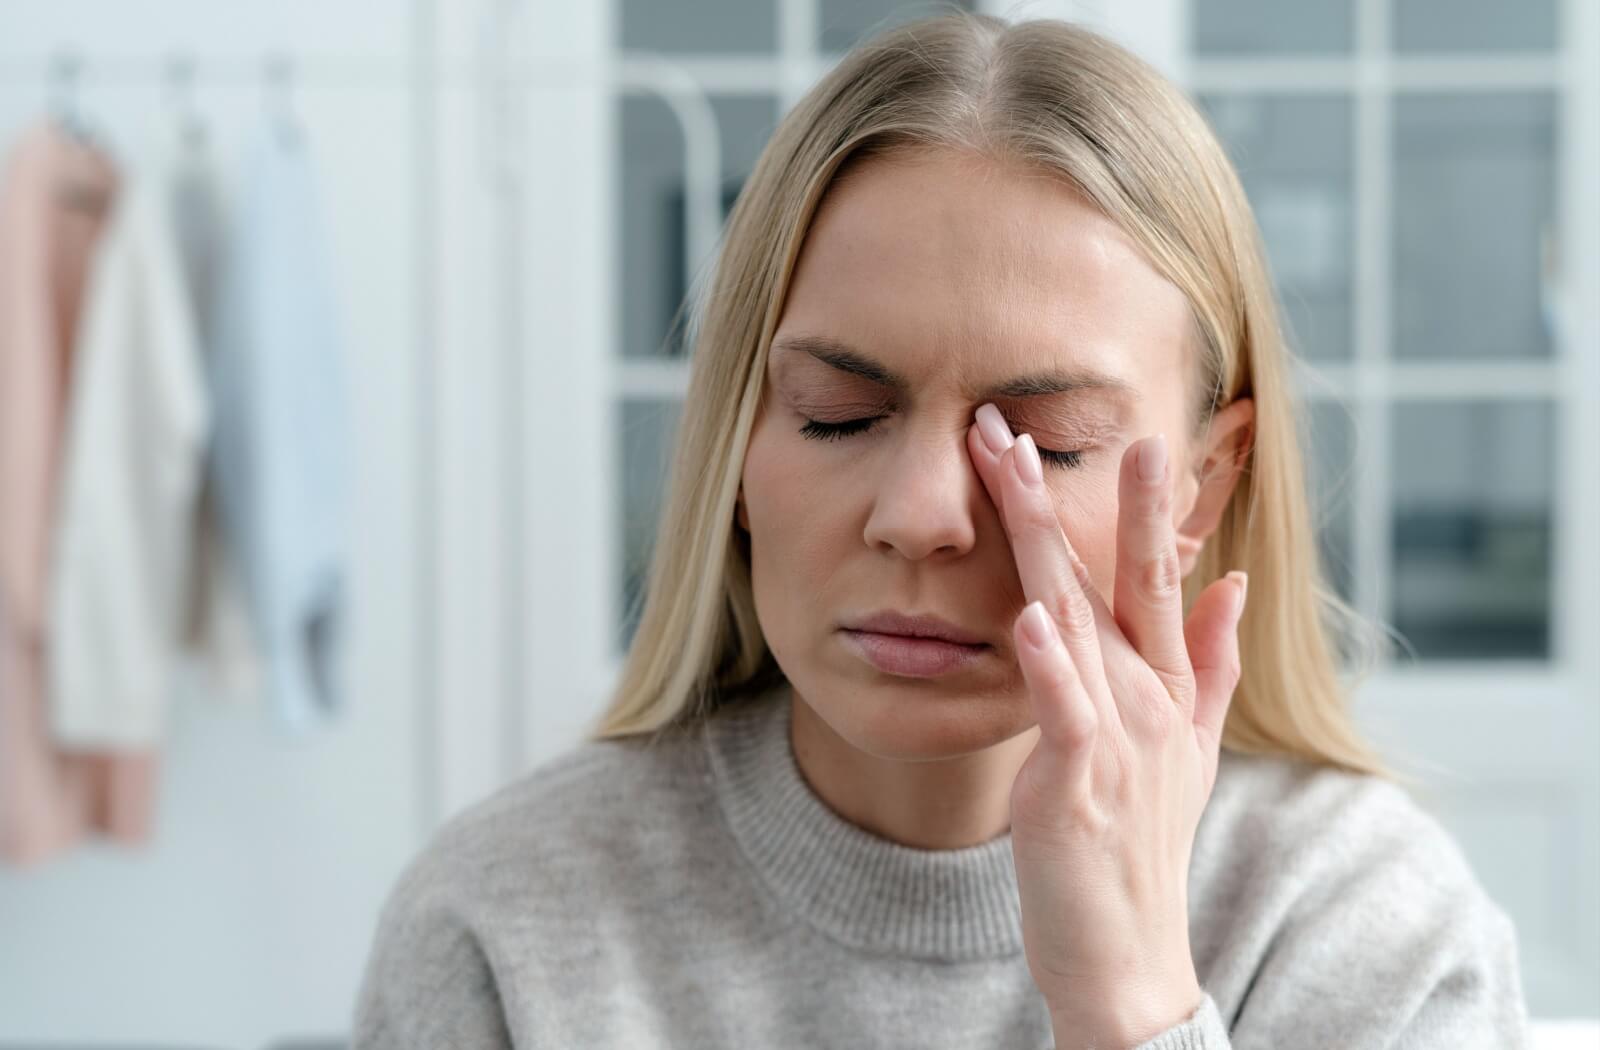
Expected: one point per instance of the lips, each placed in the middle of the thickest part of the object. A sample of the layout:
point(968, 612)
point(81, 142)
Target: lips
point(917, 646)
point(908, 625)
point(912, 657)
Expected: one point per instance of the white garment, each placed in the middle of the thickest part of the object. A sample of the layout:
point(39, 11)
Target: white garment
point(130, 559)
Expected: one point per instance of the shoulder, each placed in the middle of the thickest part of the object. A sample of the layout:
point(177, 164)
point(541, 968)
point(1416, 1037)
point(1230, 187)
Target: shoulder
point(1290, 805)
point(1334, 909)
point(564, 827)
point(1347, 858)
point(514, 887)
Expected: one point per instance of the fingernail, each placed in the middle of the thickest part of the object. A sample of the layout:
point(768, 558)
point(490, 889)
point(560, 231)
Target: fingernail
point(1153, 459)
point(1036, 625)
point(1242, 580)
point(992, 425)
point(1028, 466)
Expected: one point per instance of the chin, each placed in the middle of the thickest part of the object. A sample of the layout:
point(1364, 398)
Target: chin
point(914, 718)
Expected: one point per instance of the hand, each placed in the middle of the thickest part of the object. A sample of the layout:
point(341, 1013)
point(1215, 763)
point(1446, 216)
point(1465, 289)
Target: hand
point(1130, 710)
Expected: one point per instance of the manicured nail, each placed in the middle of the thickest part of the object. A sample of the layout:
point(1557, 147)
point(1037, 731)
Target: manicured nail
point(1028, 466)
point(1153, 459)
point(1036, 625)
point(1242, 580)
point(992, 425)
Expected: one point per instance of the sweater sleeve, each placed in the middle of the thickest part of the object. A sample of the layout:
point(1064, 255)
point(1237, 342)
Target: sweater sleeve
point(429, 982)
point(1202, 1030)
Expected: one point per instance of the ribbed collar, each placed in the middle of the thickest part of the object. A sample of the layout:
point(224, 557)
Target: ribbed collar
point(854, 886)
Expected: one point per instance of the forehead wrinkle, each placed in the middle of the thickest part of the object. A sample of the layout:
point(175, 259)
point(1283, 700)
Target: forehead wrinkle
point(1051, 380)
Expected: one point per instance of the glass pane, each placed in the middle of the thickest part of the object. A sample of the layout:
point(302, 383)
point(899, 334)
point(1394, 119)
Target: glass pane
point(1255, 26)
point(841, 23)
point(700, 26)
point(1472, 536)
point(1294, 158)
point(1330, 464)
point(1474, 25)
point(651, 266)
point(648, 430)
point(1474, 191)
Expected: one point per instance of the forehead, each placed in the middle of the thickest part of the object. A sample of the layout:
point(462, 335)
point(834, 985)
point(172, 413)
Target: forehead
point(956, 267)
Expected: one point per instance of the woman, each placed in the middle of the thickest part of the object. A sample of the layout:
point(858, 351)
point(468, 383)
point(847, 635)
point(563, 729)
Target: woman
point(990, 356)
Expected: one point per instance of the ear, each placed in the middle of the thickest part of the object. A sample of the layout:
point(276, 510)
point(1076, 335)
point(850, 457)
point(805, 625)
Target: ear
point(1228, 442)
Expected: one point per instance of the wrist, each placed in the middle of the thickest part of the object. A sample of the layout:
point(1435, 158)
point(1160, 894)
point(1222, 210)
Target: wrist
point(1121, 1021)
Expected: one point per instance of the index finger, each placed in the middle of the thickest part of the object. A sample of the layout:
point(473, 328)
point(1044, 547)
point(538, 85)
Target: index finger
point(991, 468)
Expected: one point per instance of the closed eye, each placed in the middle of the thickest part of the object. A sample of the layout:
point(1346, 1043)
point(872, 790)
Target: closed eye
point(817, 430)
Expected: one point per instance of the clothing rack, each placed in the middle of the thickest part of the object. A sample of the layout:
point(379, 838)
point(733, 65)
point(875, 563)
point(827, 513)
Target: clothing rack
point(500, 79)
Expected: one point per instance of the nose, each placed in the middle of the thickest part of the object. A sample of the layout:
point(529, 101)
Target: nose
point(926, 498)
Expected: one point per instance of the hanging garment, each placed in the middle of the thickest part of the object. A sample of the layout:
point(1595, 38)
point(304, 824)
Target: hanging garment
point(54, 197)
point(128, 546)
point(218, 633)
point(279, 447)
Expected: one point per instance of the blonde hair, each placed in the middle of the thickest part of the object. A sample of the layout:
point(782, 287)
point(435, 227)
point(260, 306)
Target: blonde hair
point(1069, 102)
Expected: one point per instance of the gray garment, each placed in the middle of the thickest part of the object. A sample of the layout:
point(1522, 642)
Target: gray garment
point(694, 892)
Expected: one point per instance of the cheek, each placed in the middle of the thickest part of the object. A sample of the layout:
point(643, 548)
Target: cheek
point(790, 482)
point(798, 542)
point(794, 508)
point(768, 498)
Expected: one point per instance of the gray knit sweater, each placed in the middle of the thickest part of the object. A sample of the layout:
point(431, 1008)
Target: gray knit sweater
point(693, 891)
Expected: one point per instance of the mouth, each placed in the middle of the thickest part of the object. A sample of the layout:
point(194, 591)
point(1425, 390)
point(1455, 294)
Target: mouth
point(911, 656)
point(909, 625)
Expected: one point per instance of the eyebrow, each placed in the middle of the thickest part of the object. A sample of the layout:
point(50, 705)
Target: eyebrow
point(1039, 384)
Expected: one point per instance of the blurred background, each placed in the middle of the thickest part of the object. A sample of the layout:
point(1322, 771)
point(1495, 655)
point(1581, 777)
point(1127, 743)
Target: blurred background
point(512, 200)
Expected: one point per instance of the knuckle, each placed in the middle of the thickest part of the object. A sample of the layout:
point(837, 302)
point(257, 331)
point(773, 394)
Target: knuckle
point(1036, 516)
point(1086, 814)
point(1155, 712)
point(1183, 690)
point(1161, 720)
point(1159, 579)
point(1056, 677)
point(1073, 613)
point(1081, 728)
point(1143, 504)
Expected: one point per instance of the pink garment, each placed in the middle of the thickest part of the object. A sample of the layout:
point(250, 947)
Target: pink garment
point(55, 194)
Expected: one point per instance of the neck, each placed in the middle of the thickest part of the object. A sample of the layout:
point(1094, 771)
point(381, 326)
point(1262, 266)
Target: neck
point(951, 801)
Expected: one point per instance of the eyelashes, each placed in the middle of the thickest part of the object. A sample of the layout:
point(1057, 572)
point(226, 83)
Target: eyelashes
point(817, 430)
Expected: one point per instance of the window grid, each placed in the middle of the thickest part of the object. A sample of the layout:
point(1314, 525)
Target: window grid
point(1372, 381)
point(1374, 510)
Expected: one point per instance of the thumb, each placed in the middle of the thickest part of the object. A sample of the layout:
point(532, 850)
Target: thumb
point(1212, 635)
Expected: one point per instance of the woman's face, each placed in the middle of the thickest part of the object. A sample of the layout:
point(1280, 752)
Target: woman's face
point(949, 281)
